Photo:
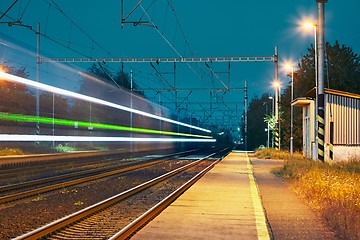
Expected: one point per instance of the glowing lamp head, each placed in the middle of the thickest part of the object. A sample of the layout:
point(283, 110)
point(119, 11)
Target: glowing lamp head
point(309, 25)
point(276, 84)
point(289, 66)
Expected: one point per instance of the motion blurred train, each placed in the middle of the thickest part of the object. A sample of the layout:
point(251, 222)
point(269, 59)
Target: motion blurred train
point(99, 116)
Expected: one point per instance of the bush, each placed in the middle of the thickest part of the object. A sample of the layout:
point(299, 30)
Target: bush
point(65, 148)
point(11, 151)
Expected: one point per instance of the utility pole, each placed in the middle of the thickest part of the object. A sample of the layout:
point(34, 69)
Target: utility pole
point(292, 113)
point(277, 133)
point(38, 62)
point(245, 115)
point(321, 95)
point(131, 106)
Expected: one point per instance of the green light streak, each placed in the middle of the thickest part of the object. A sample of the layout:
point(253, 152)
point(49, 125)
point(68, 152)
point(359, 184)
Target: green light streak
point(72, 123)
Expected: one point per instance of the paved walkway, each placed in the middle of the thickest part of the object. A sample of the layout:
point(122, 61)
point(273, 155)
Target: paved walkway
point(288, 215)
point(224, 204)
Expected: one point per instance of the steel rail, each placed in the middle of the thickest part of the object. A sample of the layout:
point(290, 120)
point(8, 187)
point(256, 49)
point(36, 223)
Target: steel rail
point(22, 159)
point(63, 222)
point(53, 187)
point(131, 228)
point(84, 172)
point(63, 177)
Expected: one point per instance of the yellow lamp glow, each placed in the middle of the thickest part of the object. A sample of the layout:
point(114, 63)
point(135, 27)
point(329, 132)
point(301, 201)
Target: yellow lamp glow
point(309, 25)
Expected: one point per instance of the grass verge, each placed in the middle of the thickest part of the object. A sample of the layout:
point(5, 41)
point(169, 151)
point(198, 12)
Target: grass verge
point(11, 151)
point(333, 190)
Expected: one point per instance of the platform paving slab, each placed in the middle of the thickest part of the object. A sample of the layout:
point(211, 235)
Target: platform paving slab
point(224, 204)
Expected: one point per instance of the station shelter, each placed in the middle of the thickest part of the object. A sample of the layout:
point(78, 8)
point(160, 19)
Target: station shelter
point(342, 125)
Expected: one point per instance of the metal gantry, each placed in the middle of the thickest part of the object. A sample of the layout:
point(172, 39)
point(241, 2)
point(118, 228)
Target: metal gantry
point(175, 60)
point(166, 59)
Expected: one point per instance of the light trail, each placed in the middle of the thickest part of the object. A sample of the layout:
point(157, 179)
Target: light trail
point(49, 138)
point(65, 122)
point(45, 87)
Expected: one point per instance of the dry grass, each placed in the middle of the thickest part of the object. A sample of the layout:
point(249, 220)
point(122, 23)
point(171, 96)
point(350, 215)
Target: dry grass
point(269, 153)
point(11, 151)
point(337, 195)
point(333, 190)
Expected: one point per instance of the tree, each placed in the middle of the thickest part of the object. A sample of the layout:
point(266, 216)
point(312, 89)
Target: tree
point(258, 108)
point(119, 79)
point(342, 72)
point(54, 104)
point(16, 98)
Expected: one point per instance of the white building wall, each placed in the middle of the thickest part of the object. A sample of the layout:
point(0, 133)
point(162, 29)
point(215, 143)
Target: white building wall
point(345, 113)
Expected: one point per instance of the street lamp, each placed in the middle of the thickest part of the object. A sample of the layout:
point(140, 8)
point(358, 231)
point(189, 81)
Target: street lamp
point(291, 67)
point(321, 110)
point(312, 25)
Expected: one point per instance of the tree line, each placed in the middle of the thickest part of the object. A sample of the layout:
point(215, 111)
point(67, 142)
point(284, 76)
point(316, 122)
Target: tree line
point(342, 72)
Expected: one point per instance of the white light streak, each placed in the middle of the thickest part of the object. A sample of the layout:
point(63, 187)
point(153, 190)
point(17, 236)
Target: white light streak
point(63, 92)
point(50, 138)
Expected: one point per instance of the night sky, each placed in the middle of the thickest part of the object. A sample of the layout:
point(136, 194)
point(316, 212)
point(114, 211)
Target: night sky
point(211, 28)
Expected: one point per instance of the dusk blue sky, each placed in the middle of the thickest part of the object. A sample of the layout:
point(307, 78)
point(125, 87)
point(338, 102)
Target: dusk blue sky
point(212, 28)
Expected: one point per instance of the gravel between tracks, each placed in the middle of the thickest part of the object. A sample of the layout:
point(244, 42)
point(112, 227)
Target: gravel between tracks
point(22, 216)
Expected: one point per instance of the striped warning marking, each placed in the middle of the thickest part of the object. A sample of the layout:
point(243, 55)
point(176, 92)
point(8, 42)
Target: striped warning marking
point(277, 136)
point(260, 219)
point(321, 119)
point(321, 134)
point(331, 146)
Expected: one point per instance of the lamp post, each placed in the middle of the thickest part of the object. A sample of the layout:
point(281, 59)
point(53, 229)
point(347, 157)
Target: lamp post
point(311, 25)
point(314, 26)
point(38, 62)
point(320, 93)
point(290, 66)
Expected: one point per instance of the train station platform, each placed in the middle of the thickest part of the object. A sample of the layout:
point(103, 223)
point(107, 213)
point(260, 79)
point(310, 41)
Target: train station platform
point(223, 204)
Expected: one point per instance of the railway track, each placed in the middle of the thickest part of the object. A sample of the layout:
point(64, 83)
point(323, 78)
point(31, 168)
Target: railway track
point(39, 164)
point(80, 177)
point(35, 170)
point(60, 158)
point(100, 220)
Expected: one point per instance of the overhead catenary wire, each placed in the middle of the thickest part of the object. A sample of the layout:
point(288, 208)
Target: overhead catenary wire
point(63, 43)
point(56, 6)
point(23, 12)
point(7, 10)
point(181, 29)
point(72, 45)
point(50, 38)
point(187, 42)
point(160, 75)
point(166, 40)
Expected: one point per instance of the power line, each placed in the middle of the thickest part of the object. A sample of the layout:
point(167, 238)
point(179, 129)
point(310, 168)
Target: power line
point(181, 29)
point(57, 7)
point(27, 5)
point(7, 10)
